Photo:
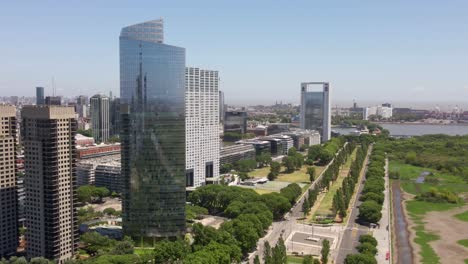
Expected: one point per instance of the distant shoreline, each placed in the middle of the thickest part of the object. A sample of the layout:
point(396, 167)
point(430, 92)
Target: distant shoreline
point(422, 123)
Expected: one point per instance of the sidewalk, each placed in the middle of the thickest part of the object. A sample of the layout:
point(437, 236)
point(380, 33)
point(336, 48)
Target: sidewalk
point(382, 234)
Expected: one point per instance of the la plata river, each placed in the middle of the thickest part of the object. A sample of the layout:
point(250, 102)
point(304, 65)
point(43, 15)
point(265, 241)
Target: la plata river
point(415, 129)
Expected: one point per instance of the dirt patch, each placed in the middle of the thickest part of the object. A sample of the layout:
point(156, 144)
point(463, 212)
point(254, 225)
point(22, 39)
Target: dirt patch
point(411, 229)
point(450, 230)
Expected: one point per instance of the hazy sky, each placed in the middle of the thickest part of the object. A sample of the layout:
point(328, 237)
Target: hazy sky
point(367, 50)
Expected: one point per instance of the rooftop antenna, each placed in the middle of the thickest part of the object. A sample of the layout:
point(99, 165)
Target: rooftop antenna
point(53, 86)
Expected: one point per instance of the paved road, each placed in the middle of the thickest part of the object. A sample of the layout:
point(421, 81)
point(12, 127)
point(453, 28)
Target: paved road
point(353, 230)
point(382, 234)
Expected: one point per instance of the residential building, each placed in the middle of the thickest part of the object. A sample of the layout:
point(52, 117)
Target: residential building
point(315, 112)
point(98, 150)
point(221, 107)
point(201, 125)
point(232, 154)
point(235, 121)
point(100, 117)
point(40, 96)
point(81, 106)
point(8, 195)
point(382, 111)
point(152, 94)
point(86, 167)
point(50, 182)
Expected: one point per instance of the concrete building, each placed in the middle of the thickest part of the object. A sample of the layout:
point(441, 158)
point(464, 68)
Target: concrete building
point(152, 94)
point(235, 121)
point(201, 126)
point(50, 182)
point(222, 108)
point(53, 100)
point(100, 117)
point(315, 111)
point(287, 142)
point(304, 137)
point(382, 111)
point(109, 176)
point(8, 195)
point(81, 106)
point(40, 100)
point(86, 167)
point(232, 154)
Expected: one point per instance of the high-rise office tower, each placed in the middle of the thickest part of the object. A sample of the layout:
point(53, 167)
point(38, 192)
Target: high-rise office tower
point(8, 195)
point(82, 106)
point(221, 107)
point(152, 90)
point(315, 108)
point(49, 145)
point(40, 96)
point(114, 117)
point(202, 125)
point(53, 100)
point(100, 121)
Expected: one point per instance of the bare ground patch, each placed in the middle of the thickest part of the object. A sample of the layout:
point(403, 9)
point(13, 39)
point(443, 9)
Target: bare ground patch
point(450, 230)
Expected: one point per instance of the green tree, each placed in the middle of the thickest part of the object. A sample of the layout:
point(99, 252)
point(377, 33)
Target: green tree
point(314, 152)
point(110, 211)
point(311, 172)
point(368, 239)
point(277, 203)
point(325, 251)
point(170, 251)
point(360, 259)
point(306, 207)
point(267, 254)
point(275, 168)
point(369, 211)
point(289, 164)
point(367, 248)
point(256, 260)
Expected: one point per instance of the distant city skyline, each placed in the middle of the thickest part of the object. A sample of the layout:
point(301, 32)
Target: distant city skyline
point(410, 51)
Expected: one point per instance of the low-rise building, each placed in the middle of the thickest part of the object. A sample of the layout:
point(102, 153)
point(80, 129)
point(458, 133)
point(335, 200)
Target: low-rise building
point(109, 176)
point(232, 154)
point(98, 150)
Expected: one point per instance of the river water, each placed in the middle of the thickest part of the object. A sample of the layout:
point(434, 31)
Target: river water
point(415, 130)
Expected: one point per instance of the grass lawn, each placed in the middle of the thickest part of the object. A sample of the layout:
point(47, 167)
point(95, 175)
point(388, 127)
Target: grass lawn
point(463, 242)
point(463, 216)
point(263, 191)
point(142, 251)
point(409, 173)
point(294, 260)
point(295, 177)
point(326, 204)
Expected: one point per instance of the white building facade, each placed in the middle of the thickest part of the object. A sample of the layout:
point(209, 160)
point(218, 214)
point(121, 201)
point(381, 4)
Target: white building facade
point(201, 125)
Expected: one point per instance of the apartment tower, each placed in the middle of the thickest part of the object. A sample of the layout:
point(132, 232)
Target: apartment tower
point(315, 108)
point(50, 155)
point(8, 195)
point(152, 90)
point(202, 126)
point(100, 117)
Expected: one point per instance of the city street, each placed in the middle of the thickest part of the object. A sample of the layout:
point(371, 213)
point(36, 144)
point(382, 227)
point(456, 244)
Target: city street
point(350, 237)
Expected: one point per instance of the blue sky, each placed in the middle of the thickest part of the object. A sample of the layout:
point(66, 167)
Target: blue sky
point(368, 50)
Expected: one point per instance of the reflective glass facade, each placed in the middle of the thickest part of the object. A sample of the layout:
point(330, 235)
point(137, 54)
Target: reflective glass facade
point(315, 108)
point(152, 79)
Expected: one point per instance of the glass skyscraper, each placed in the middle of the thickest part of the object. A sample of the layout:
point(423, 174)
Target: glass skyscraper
point(315, 108)
point(152, 89)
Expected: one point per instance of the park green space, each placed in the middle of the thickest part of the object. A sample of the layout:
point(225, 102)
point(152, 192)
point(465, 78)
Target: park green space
point(409, 173)
point(294, 177)
point(325, 207)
